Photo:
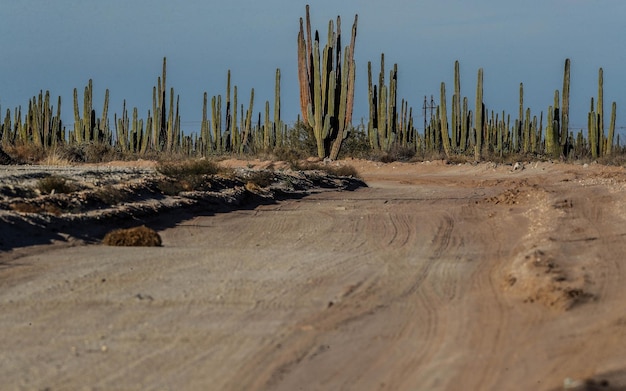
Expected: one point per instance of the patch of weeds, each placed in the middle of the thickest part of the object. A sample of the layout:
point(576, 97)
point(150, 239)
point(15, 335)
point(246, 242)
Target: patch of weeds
point(188, 168)
point(94, 152)
point(137, 236)
point(262, 178)
point(332, 169)
point(356, 145)
point(25, 153)
point(24, 207)
point(186, 175)
point(343, 170)
point(55, 184)
point(110, 195)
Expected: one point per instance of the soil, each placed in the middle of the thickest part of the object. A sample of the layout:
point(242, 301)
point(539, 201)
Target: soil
point(432, 277)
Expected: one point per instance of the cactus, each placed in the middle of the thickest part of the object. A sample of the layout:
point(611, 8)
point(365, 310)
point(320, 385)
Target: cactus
point(456, 107)
point(444, 121)
point(383, 110)
point(278, 124)
point(247, 126)
point(565, 107)
point(609, 140)
point(479, 116)
point(600, 112)
point(326, 87)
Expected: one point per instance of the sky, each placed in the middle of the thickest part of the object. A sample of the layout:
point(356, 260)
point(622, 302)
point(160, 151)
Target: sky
point(59, 45)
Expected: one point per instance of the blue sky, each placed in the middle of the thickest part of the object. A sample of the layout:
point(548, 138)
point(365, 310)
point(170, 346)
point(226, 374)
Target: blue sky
point(59, 45)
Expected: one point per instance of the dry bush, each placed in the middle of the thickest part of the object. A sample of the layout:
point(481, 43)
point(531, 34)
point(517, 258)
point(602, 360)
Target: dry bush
point(110, 195)
point(55, 184)
point(337, 170)
point(87, 152)
point(182, 169)
point(343, 170)
point(356, 145)
point(137, 236)
point(261, 178)
point(26, 153)
point(24, 207)
point(185, 175)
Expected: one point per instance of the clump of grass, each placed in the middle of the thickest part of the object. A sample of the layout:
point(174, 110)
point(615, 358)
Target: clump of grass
point(137, 236)
point(397, 153)
point(186, 175)
point(95, 152)
point(25, 207)
point(110, 195)
point(356, 145)
point(188, 168)
point(55, 184)
point(261, 178)
point(344, 170)
point(25, 153)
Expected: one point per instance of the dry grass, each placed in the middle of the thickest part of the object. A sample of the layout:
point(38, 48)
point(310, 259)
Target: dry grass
point(110, 195)
point(55, 184)
point(137, 236)
point(186, 175)
point(25, 207)
point(343, 170)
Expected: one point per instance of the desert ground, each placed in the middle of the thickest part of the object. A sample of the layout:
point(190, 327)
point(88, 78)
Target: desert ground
point(432, 277)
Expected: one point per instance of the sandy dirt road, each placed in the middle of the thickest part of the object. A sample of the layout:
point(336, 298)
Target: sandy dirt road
point(435, 277)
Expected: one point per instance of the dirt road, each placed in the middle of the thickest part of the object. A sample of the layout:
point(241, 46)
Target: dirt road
point(435, 277)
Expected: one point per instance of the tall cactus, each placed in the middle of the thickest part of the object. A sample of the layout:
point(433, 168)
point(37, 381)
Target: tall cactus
point(326, 86)
point(609, 140)
point(444, 121)
point(600, 111)
point(565, 107)
point(456, 107)
point(479, 116)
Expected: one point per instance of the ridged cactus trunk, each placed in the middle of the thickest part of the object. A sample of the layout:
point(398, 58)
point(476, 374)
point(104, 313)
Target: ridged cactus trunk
point(565, 108)
point(456, 108)
point(610, 138)
point(480, 109)
point(383, 107)
point(444, 121)
point(326, 85)
point(600, 112)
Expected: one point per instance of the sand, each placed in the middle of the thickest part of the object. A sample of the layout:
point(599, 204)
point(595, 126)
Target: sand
point(434, 277)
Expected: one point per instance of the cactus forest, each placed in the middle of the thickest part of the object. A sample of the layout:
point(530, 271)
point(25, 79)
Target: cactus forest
point(232, 124)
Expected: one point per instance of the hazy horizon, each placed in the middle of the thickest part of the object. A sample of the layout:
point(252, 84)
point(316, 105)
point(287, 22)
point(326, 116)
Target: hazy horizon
point(59, 46)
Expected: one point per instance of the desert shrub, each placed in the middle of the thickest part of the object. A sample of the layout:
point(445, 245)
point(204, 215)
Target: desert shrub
point(87, 152)
point(55, 184)
point(262, 178)
point(137, 236)
point(187, 168)
point(343, 170)
point(25, 153)
point(185, 175)
point(356, 145)
point(24, 207)
point(299, 142)
point(330, 168)
point(110, 195)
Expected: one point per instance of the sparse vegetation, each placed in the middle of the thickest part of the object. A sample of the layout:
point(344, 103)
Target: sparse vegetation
point(457, 129)
point(137, 236)
point(55, 184)
point(187, 175)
